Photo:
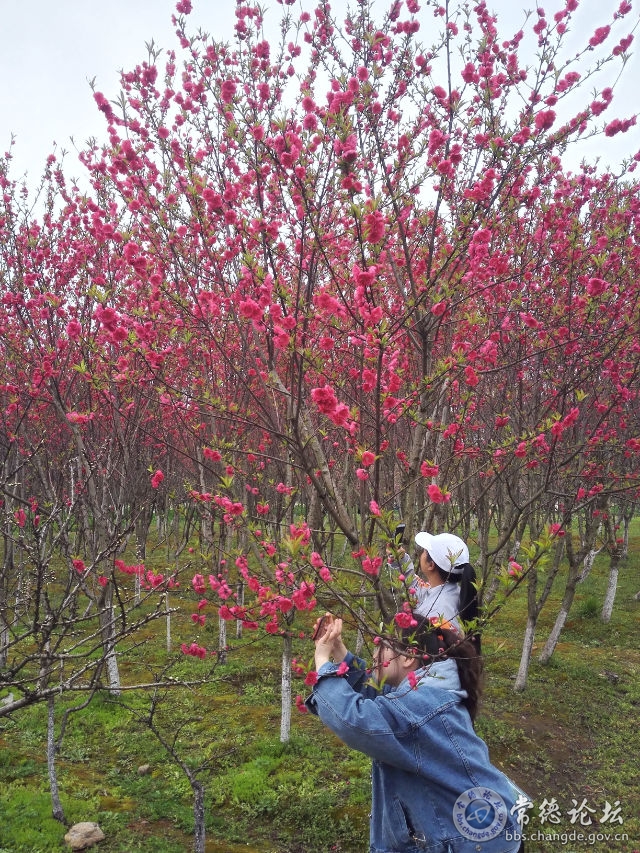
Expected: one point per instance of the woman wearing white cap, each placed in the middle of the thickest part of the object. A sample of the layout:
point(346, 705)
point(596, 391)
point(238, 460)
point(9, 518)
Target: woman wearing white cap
point(444, 580)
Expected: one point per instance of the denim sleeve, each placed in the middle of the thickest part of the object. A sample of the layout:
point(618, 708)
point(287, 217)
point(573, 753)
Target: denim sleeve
point(358, 675)
point(378, 727)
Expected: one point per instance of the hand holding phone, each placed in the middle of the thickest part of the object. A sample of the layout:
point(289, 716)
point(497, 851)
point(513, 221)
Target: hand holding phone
point(399, 534)
point(328, 640)
point(320, 628)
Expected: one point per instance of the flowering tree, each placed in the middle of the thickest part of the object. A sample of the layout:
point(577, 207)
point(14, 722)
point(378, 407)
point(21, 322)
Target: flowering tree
point(319, 282)
point(341, 277)
point(386, 282)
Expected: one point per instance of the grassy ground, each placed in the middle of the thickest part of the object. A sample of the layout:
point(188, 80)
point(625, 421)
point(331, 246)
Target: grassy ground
point(571, 737)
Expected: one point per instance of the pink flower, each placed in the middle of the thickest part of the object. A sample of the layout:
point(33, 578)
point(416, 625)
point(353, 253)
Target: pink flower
point(470, 376)
point(596, 286)
point(374, 509)
point(623, 45)
point(343, 669)
point(361, 474)
point(436, 139)
point(325, 399)
point(316, 560)
point(213, 455)
point(427, 469)
point(300, 705)
point(250, 310)
point(404, 620)
point(103, 104)
point(198, 584)
point(368, 458)
point(469, 73)
point(311, 679)
point(374, 224)
point(599, 36)
point(193, 650)
point(529, 320)
point(515, 569)
point(227, 91)
point(156, 479)
point(78, 418)
point(371, 565)
point(545, 119)
point(436, 495)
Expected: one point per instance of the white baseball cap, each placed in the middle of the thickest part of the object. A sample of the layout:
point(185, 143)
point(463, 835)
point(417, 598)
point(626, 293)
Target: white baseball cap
point(448, 551)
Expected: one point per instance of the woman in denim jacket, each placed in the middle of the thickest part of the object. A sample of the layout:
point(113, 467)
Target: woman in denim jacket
point(434, 788)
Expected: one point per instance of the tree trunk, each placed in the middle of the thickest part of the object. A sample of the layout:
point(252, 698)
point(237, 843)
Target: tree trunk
point(612, 585)
point(525, 658)
point(627, 518)
point(616, 550)
point(22, 585)
point(240, 600)
point(113, 671)
point(588, 563)
point(561, 618)
point(5, 575)
point(107, 628)
point(222, 640)
point(199, 833)
point(554, 636)
point(57, 810)
point(168, 620)
point(534, 608)
point(285, 713)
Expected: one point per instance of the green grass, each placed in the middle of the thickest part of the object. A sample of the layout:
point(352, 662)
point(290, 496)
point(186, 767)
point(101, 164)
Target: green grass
point(572, 735)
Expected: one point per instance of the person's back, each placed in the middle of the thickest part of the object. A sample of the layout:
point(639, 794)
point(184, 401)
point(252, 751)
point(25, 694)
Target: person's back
point(426, 726)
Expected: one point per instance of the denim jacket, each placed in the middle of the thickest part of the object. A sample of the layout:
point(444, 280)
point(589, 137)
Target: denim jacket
point(434, 789)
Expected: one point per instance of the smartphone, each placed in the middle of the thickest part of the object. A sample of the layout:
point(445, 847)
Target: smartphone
point(399, 534)
point(320, 629)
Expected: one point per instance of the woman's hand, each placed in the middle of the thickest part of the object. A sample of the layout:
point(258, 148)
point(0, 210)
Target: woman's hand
point(329, 643)
point(395, 554)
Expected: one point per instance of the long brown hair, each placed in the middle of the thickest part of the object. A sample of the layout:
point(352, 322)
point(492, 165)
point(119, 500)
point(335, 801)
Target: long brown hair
point(437, 642)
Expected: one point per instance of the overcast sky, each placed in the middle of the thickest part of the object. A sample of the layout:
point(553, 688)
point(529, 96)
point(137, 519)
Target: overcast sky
point(52, 48)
